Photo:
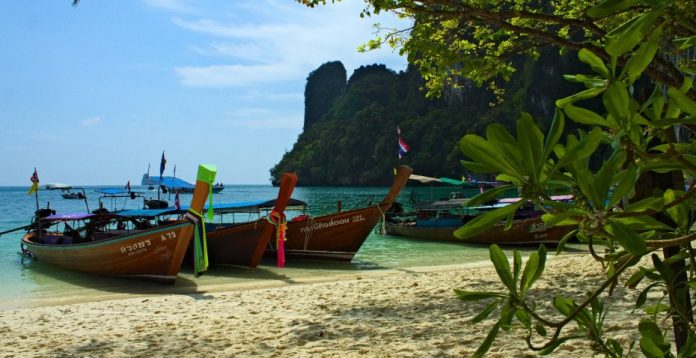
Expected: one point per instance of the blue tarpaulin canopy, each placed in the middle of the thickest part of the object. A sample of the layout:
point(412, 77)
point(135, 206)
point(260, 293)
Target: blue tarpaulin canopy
point(218, 208)
point(171, 182)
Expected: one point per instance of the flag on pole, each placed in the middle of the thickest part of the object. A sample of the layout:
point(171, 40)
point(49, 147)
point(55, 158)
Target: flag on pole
point(177, 204)
point(163, 162)
point(403, 147)
point(128, 187)
point(34, 183)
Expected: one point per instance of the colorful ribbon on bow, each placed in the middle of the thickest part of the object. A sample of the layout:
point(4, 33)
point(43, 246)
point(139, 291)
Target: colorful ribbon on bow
point(278, 220)
point(200, 242)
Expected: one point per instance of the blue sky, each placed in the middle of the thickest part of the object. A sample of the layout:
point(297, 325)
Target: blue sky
point(92, 94)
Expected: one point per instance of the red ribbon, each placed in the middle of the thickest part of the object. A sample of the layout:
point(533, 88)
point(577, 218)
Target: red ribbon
point(278, 220)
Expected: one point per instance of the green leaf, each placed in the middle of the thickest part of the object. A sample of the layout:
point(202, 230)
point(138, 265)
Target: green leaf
point(580, 150)
point(627, 39)
point(596, 64)
point(642, 223)
point(643, 57)
point(555, 132)
point(552, 347)
point(689, 348)
point(530, 145)
point(682, 101)
point(530, 270)
point(517, 264)
point(469, 296)
point(484, 153)
point(489, 195)
point(635, 279)
point(524, 318)
point(652, 342)
point(658, 308)
point(540, 330)
point(486, 312)
point(643, 296)
point(584, 116)
point(564, 305)
point(678, 213)
point(625, 185)
point(685, 42)
point(586, 94)
point(633, 243)
point(502, 267)
point(608, 7)
point(616, 101)
point(486, 344)
point(484, 221)
point(649, 203)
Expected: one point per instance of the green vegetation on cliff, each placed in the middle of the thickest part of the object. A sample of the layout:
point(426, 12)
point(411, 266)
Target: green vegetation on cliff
point(350, 138)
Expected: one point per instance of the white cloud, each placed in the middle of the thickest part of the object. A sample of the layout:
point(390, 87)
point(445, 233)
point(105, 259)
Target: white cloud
point(285, 46)
point(179, 6)
point(264, 118)
point(234, 75)
point(91, 122)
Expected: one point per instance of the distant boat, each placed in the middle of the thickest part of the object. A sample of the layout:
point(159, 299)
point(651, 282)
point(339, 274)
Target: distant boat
point(67, 194)
point(57, 186)
point(174, 184)
point(104, 245)
point(438, 220)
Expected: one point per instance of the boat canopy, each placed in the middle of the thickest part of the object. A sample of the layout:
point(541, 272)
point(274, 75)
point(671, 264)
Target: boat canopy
point(68, 216)
point(148, 213)
point(247, 206)
point(465, 183)
point(115, 191)
point(169, 182)
point(218, 208)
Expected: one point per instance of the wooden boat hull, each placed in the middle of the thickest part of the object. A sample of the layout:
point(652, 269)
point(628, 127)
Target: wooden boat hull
point(244, 244)
point(335, 237)
point(338, 236)
point(523, 232)
point(154, 254)
point(238, 244)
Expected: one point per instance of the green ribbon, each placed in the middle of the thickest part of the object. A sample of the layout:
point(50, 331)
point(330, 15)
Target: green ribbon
point(200, 244)
point(206, 173)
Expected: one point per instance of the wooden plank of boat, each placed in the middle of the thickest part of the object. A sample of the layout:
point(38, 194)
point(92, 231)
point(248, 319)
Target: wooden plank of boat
point(154, 254)
point(338, 236)
point(244, 244)
point(522, 232)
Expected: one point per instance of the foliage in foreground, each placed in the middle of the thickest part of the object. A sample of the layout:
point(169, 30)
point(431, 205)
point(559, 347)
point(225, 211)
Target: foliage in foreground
point(612, 208)
point(635, 204)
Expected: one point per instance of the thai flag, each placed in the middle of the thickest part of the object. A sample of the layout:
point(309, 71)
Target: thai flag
point(163, 162)
point(403, 147)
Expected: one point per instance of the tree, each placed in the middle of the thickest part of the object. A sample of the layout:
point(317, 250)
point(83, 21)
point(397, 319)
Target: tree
point(637, 202)
point(452, 40)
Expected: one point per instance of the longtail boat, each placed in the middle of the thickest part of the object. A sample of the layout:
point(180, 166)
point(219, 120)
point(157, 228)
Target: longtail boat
point(244, 243)
point(102, 246)
point(439, 220)
point(337, 236)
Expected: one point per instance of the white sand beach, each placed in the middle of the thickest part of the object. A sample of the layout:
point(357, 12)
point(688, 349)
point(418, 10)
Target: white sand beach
point(391, 313)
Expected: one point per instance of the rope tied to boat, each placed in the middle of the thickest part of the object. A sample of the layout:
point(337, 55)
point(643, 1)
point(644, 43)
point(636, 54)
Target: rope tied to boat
point(200, 244)
point(278, 220)
point(383, 229)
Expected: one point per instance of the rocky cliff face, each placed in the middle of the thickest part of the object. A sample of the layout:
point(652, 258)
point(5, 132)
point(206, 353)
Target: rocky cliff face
point(349, 135)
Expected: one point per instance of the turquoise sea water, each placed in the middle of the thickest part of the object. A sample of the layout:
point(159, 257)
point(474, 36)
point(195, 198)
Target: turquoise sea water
point(28, 282)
